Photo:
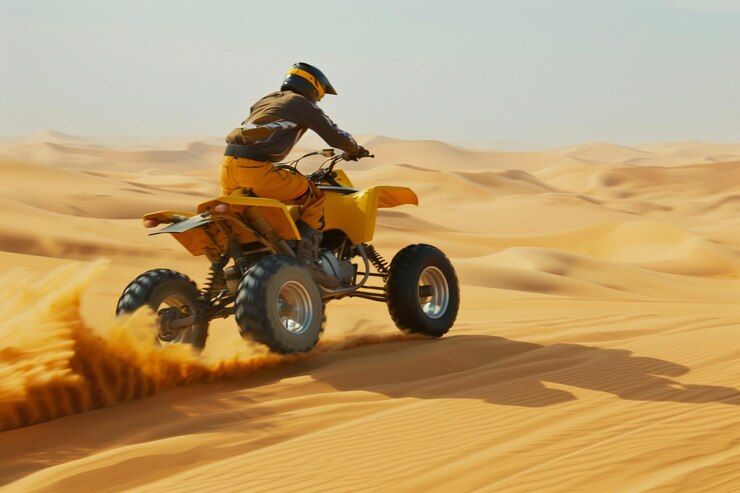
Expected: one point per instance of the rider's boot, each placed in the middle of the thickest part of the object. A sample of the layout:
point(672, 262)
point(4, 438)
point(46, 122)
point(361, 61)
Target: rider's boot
point(308, 254)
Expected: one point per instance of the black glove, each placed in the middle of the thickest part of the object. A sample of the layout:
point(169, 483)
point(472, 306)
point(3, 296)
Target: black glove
point(359, 153)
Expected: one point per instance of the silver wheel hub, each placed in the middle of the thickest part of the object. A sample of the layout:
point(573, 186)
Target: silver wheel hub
point(434, 292)
point(294, 307)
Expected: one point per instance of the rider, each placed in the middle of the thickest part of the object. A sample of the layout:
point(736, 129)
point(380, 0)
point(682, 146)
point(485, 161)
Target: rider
point(274, 125)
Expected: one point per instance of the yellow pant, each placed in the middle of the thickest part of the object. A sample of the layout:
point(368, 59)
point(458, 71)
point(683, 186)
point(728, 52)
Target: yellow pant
point(268, 182)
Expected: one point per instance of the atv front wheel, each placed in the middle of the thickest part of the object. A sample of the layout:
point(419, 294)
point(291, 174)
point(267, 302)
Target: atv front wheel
point(422, 291)
point(172, 296)
point(278, 304)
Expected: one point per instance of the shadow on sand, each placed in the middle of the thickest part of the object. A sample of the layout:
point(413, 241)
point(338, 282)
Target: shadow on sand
point(490, 369)
point(502, 371)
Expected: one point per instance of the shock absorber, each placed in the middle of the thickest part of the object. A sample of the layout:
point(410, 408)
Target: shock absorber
point(380, 264)
point(216, 281)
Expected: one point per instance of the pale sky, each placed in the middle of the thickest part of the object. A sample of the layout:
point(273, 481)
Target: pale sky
point(470, 72)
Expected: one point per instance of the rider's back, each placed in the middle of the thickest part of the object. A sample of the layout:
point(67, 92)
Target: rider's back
point(277, 121)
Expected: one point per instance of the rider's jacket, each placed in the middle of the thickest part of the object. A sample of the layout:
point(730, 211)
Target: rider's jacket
point(275, 124)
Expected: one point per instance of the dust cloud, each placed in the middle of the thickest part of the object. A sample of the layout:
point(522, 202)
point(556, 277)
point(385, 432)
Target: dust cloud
point(52, 364)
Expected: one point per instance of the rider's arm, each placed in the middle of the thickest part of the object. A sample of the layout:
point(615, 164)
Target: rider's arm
point(314, 118)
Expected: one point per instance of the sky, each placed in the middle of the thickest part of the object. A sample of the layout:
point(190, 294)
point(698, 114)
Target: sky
point(470, 72)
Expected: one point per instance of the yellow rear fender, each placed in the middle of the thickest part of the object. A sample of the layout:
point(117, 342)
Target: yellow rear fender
point(205, 233)
point(277, 213)
point(355, 213)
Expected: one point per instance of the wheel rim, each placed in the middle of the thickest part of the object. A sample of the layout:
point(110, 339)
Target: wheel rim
point(174, 307)
point(434, 292)
point(294, 307)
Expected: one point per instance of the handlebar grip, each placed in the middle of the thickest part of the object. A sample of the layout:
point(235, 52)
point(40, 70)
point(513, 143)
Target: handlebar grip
point(347, 157)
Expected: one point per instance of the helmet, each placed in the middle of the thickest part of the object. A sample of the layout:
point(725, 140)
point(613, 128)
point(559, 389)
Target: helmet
point(308, 81)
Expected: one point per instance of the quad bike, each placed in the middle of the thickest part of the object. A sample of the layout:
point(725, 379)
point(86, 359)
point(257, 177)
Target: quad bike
point(254, 275)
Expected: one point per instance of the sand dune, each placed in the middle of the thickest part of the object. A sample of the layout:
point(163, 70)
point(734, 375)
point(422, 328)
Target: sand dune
point(672, 154)
point(115, 152)
point(595, 348)
point(603, 152)
point(555, 272)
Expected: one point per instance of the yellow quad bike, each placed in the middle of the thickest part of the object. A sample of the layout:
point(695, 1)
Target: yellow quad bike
point(251, 245)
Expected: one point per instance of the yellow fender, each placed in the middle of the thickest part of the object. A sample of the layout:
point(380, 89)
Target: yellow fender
point(203, 235)
point(355, 213)
point(277, 213)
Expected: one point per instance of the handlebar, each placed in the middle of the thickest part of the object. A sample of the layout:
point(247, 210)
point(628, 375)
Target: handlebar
point(332, 160)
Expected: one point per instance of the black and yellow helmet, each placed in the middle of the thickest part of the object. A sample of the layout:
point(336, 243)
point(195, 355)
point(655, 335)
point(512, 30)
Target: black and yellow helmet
point(308, 81)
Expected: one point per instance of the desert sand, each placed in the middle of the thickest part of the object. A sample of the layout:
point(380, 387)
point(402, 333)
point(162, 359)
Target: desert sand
point(596, 347)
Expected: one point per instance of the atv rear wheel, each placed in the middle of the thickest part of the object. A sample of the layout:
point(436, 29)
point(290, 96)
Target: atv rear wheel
point(279, 304)
point(172, 296)
point(422, 291)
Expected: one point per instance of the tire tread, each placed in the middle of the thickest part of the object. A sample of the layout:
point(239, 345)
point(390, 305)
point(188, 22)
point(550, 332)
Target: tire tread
point(140, 291)
point(251, 316)
point(403, 308)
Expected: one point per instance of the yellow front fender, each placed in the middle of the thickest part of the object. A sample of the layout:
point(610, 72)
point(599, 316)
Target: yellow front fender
point(355, 213)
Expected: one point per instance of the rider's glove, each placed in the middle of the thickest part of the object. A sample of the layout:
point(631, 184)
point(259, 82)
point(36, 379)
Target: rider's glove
point(359, 153)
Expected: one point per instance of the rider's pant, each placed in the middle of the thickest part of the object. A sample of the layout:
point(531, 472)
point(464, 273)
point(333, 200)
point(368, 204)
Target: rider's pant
point(267, 182)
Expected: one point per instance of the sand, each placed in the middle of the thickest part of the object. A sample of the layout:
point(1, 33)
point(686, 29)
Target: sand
point(596, 347)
